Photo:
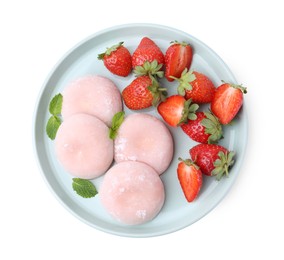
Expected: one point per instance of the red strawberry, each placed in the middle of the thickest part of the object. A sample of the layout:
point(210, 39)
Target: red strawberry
point(147, 50)
point(117, 60)
point(204, 129)
point(143, 92)
point(177, 58)
point(212, 159)
point(196, 86)
point(175, 110)
point(190, 178)
point(227, 101)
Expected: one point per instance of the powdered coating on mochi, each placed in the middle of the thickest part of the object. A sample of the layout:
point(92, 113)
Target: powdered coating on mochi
point(144, 138)
point(93, 95)
point(132, 192)
point(83, 147)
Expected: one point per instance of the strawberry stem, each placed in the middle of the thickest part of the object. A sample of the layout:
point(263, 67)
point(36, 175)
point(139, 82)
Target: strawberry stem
point(240, 87)
point(188, 162)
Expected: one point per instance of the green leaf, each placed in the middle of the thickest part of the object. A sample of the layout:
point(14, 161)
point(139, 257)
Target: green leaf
point(223, 164)
point(184, 81)
point(212, 127)
point(55, 105)
point(84, 188)
point(109, 51)
point(52, 126)
point(149, 68)
point(116, 122)
point(193, 108)
point(192, 116)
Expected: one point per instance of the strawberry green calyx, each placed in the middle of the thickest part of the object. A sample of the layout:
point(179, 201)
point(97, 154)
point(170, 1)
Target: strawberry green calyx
point(223, 164)
point(109, 51)
point(183, 43)
point(240, 87)
point(188, 162)
point(188, 112)
point(159, 94)
point(184, 81)
point(212, 127)
point(149, 68)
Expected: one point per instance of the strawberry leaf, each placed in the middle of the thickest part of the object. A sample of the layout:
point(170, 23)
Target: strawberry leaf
point(184, 81)
point(188, 112)
point(223, 164)
point(150, 69)
point(159, 94)
point(109, 51)
point(212, 127)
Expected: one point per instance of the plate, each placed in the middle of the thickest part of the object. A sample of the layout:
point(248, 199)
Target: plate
point(176, 212)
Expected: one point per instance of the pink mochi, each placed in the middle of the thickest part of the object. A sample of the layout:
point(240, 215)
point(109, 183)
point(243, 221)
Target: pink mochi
point(83, 147)
point(94, 95)
point(144, 138)
point(132, 192)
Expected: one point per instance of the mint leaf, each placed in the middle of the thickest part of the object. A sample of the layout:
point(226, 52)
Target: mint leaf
point(55, 105)
point(54, 121)
point(84, 188)
point(52, 126)
point(116, 122)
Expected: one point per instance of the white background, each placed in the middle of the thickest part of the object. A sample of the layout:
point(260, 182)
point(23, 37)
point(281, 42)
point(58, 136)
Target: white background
point(247, 224)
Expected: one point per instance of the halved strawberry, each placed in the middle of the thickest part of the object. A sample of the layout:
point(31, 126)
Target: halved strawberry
point(143, 92)
point(117, 60)
point(177, 58)
point(206, 128)
point(147, 50)
point(227, 101)
point(175, 110)
point(190, 178)
point(212, 159)
point(196, 86)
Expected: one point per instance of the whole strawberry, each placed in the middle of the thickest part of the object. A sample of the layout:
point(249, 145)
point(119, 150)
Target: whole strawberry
point(227, 102)
point(117, 60)
point(206, 128)
point(143, 92)
point(190, 179)
point(177, 58)
point(196, 86)
point(175, 110)
point(147, 50)
point(213, 159)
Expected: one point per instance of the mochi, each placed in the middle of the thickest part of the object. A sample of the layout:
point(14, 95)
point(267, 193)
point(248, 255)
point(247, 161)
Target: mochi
point(144, 138)
point(94, 95)
point(83, 147)
point(132, 192)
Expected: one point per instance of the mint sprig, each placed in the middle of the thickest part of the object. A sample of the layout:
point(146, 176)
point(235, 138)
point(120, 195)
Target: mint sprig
point(115, 124)
point(54, 121)
point(84, 188)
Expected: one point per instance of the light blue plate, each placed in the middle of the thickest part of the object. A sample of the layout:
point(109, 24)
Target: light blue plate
point(176, 213)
